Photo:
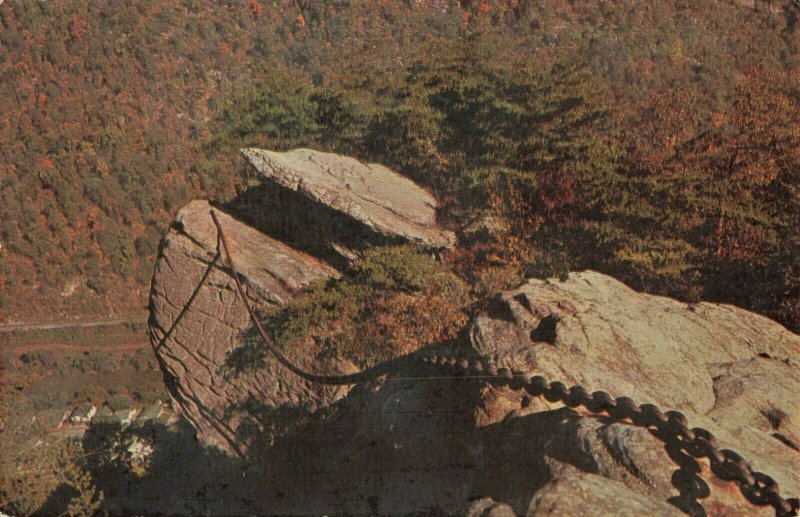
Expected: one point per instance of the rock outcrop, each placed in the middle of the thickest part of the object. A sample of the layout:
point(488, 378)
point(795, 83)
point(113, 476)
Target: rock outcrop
point(380, 198)
point(194, 327)
point(403, 443)
point(729, 370)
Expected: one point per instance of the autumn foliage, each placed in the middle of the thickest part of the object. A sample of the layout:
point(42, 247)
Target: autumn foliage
point(657, 143)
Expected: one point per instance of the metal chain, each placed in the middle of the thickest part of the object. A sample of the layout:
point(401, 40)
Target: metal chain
point(757, 487)
point(671, 426)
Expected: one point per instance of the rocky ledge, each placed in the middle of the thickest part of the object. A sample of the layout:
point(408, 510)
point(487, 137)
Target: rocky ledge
point(399, 444)
point(728, 370)
point(196, 320)
point(370, 193)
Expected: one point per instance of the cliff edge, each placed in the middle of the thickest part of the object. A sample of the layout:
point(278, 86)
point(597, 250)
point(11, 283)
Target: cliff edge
point(404, 442)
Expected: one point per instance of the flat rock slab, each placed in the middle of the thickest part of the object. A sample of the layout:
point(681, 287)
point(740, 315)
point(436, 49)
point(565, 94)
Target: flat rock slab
point(378, 197)
point(193, 329)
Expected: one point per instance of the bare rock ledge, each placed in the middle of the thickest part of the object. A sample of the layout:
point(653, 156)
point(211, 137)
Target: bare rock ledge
point(730, 371)
point(385, 201)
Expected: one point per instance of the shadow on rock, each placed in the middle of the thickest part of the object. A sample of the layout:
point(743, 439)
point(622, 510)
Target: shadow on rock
point(400, 445)
point(304, 224)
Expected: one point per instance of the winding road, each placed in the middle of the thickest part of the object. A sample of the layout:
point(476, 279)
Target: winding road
point(83, 323)
point(13, 339)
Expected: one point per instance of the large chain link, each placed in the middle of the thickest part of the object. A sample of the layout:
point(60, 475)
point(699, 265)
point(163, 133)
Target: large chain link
point(670, 426)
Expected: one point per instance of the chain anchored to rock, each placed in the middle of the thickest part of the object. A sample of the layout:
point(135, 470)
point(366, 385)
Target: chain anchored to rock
point(670, 426)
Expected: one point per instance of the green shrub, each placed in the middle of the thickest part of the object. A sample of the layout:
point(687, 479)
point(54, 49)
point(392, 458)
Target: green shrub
point(120, 401)
point(117, 248)
point(395, 300)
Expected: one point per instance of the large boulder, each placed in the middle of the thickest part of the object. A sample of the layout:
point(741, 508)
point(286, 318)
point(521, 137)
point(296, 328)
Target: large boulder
point(197, 318)
point(378, 197)
point(349, 205)
point(730, 371)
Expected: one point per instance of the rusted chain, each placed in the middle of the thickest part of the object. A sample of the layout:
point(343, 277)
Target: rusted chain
point(759, 488)
point(672, 426)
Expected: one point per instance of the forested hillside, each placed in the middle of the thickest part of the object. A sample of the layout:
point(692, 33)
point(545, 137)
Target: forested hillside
point(659, 143)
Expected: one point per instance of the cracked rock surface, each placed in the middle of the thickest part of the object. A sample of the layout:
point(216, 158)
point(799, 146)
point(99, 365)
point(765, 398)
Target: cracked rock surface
point(730, 371)
point(192, 342)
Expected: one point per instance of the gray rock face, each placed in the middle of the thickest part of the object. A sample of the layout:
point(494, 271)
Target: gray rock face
point(370, 193)
point(192, 343)
point(730, 371)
